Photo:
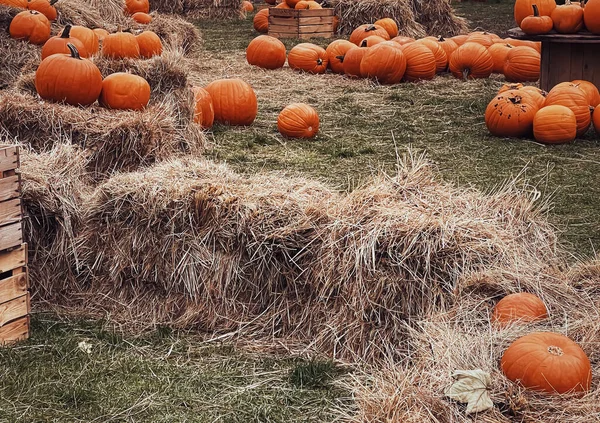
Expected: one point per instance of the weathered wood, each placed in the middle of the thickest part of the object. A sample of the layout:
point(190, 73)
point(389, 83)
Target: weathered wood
point(14, 331)
point(316, 35)
point(13, 287)
point(9, 158)
point(11, 236)
point(14, 309)
point(581, 37)
point(10, 260)
point(9, 187)
point(301, 23)
point(10, 211)
point(300, 12)
point(316, 20)
point(310, 29)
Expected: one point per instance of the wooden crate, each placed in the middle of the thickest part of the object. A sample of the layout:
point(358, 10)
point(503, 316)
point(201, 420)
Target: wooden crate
point(303, 24)
point(11, 231)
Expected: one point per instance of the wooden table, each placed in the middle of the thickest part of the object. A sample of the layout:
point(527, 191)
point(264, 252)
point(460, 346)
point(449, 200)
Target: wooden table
point(566, 57)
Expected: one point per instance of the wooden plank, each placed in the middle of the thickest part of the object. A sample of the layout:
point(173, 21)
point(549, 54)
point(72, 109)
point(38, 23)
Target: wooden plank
point(283, 12)
point(282, 21)
point(316, 35)
point(9, 158)
point(315, 12)
point(10, 260)
point(9, 187)
point(591, 65)
point(10, 211)
point(580, 37)
point(11, 236)
point(14, 309)
point(545, 66)
point(282, 28)
point(316, 20)
point(14, 331)
point(307, 29)
point(283, 34)
point(14, 287)
point(307, 13)
point(558, 53)
point(576, 64)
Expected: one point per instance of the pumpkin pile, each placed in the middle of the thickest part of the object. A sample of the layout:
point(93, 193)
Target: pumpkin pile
point(538, 17)
point(557, 117)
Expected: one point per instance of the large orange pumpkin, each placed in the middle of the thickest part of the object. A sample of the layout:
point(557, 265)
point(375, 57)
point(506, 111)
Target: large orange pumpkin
point(523, 306)
point(336, 52)
point(124, 91)
point(470, 61)
point(352, 61)
point(204, 114)
point(498, 52)
point(298, 120)
point(82, 86)
point(447, 44)
point(460, 39)
point(537, 95)
point(261, 21)
point(568, 18)
point(591, 16)
point(31, 26)
point(389, 25)
point(573, 97)
point(234, 101)
point(150, 44)
point(365, 31)
point(483, 38)
point(548, 362)
point(441, 58)
point(266, 52)
point(510, 114)
point(555, 125)
point(403, 40)
point(384, 63)
point(308, 58)
point(58, 44)
point(46, 7)
point(536, 45)
point(522, 64)
point(134, 6)
point(101, 33)
point(88, 37)
point(523, 8)
point(121, 45)
point(590, 91)
point(420, 62)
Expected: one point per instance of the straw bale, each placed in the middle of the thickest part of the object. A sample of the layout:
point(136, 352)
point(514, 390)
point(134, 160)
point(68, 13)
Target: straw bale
point(91, 13)
point(217, 9)
point(438, 18)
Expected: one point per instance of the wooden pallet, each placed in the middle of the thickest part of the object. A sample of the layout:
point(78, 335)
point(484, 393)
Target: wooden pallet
point(303, 24)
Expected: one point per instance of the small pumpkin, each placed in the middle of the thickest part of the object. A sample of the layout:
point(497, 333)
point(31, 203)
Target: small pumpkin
point(298, 120)
point(536, 24)
point(336, 52)
point(591, 16)
point(261, 21)
point(46, 7)
point(83, 85)
point(523, 8)
point(522, 306)
point(20, 4)
point(441, 58)
point(204, 113)
point(266, 52)
point(555, 125)
point(590, 91)
point(124, 91)
point(88, 37)
point(149, 44)
point(234, 101)
point(403, 40)
point(58, 44)
point(308, 57)
point(573, 97)
point(352, 61)
point(471, 61)
point(371, 41)
point(142, 18)
point(510, 114)
point(101, 33)
point(367, 30)
point(420, 62)
point(247, 6)
point(549, 362)
point(522, 64)
point(568, 18)
point(121, 45)
point(389, 25)
point(384, 63)
point(498, 52)
point(307, 5)
point(31, 26)
point(134, 6)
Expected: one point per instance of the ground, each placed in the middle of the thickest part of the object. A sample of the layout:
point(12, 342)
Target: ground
point(165, 376)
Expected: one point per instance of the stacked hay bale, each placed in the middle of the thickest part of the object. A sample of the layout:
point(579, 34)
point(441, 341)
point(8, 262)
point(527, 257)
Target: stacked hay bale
point(17, 57)
point(207, 9)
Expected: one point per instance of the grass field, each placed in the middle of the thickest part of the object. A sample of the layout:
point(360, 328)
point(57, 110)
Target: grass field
point(165, 376)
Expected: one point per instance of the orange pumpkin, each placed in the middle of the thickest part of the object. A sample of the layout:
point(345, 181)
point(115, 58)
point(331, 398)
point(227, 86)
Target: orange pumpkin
point(591, 16)
point(470, 61)
point(522, 307)
point(121, 45)
point(371, 41)
point(142, 18)
point(134, 6)
point(303, 4)
point(58, 44)
point(101, 34)
point(460, 39)
point(283, 5)
point(266, 52)
point(498, 52)
point(204, 113)
point(510, 114)
point(441, 58)
point(261, 21)
point(523, 8)
point(537, 95)
point(420, 62)
point(511, 86)
point(149, 44)
point(291, 3)
point(573, 97)
point(365, 31)
point(403, 40)
point(124, 91)
point(537, 46)
point(336, 52)
point(234, 101)
point(522, 64)
point(446, 44)
point(568, 18)
point(548, 362)
point(536, 24)
point(298, 120)
point(45, 7)
point(247, 6)
point(20, 4)
point(389, 25)
point(82, 86)
point(308, 57)
point(555, 125)
point(590, 91)
point(352, 61)
point(31, 26)
point(483, 38)
point(88, 37)
point(384, 63)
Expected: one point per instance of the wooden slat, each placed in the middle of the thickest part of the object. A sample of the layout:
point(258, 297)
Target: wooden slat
point(307, 29)
point(14, 309)
point(576, 65)
point(14, 287)
point(580, 37)
point(13, 259)
point(9, 158)
point(10, 211)
point(545, 67)
point(558, 53)
point(591, 65)
point(14, 331)
point(283, 34)
point(9, 187)
point(316, 20)
point(283, 29)
point(300, 12)
point(316, 35)
point(273, 20)
point(11, 236)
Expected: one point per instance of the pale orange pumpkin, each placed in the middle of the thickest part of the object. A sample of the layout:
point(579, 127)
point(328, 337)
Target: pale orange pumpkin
point(573, 97)
point(31, 26)
point(261, 21)
point(555, 125)
point(590, 91)
point(234, 101)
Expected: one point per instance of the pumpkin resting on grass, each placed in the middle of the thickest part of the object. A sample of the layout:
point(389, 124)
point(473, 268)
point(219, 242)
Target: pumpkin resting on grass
point(510, 114)
point(308, 58)
point(204, 113)
point(365, 31)
point(336, 53)
point(384, 63)
point(266, 52)
point(470, 61)
point(420, 62)
point(522, 64)
point(234, 101)
point(298, 120)
point(261, 21)
point(573, 97)
point(555, 125)
point(124, 91)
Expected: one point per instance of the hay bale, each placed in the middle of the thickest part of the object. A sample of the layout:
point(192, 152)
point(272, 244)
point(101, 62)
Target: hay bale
point(175, 32)
point(216, 9)
point(91, 13)
point(438, 18)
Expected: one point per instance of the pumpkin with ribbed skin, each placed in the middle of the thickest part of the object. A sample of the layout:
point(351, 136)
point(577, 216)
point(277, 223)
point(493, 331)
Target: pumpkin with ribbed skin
point(523, 8)
point(537, 46)
point(88, 37)
point(336, 52)
point(596, 119)
point(142, 18)
point(58, 44)
point(234, 101)
point(460, 39)
point(441, 59)
point(298, 120)
point(45, 7)
point(134, 6)
point(573, 97)
point(121, 45)
point(537, 95)
point(101, 34)
point(591, 16)
point(308, 58)
point(266, 52)
point(389, 25)
point(511, 86)
point(471, 61)
point(261, 21)
point(446, 44)
point(20, 4)
point(590, 91)
point(365, 31)
point(483, 38)
point(384, 63)
point(247, 6)
point(420, 62)
point(498, 52)
point(568, 18)
point(352, 61)
point(536, 24)
point(510, 114)
point(150, 44)
point(403, 40)
point(555, 125)
point(522, 64)
point(124, 91)
point(549, 362)
point(371, 41)
point(204, 113)
point(307, 5)
point(523, 306)
point(83, 85)
point(31, 26)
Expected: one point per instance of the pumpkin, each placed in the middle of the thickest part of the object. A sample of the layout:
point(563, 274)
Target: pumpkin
point(45, 7)
point(389, 25)
point(261, 21)
point(510, 114)
point(548, 362)
point(371, 41)
point(420, 62)
point(149, 44)
point(441, 59)
point(298, 120)
point(498, 52)
point(403, 40)
point(460, 39)
point(483, 38)
point(365, 31)
point(596, 120)
point(522, 64)
point(291, 3)
point(446, 44)
point(247, 6)
point(523, 307)
point(134, 6)
point(512, 86)
point(385, 63)
point(266, 52)
point(31, 26)
point(68, 78)
point(523, 8)
point(101, 34)
point(555, 125)
point(283, 5)
point(204, 113)
point(21, 4)
point(87, 37)
point(470, 61)
point(124, 91)
point(308, 58)
point(568, 18)
point(234, 101)
point(591, 16)
point(352, 61)
point(573, 97)
point(121, 45)
point(590, 91)
point(336, 51)
point(536, 24)
point(307, 5)
point(58, 44)
point(537, 46)
point(142, 18)
point(537, 95)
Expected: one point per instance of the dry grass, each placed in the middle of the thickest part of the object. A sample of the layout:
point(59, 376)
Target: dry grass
point(211, 9)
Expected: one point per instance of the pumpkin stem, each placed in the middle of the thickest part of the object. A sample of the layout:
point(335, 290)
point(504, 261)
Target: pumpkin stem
point(66, 32)
point(74, 51)
point(441, 39)
point(536, 11)
point(370, 28)
point(554, 350)
point(466, 73)
point(319, 61)
point(53, 2)
point(340, 58)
